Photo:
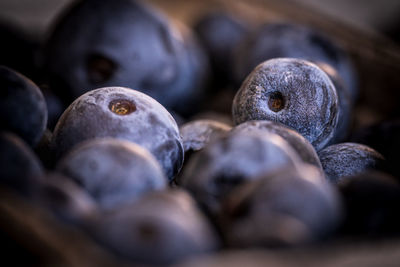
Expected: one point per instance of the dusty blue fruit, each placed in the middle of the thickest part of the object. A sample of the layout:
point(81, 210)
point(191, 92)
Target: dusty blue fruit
point(231, 160)
point(125, 43)
point(121, 113)
point(284, 208)
point(23, 109)
point(348, 159)
point(303, 148)
point(113, 171)
point(161, 228)
point(293, 92)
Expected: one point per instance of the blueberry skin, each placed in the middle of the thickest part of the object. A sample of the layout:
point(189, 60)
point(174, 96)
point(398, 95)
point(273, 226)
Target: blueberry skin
point(303, 148)
point(345, 103)
point(124, 43)
point(231, 160)
point(162, 228)
point(64, 198)
point(293, 92)
point(23, 109)
point(113, 171)
point(275, 40)
point(348, 159)
point(285, 208)
point(121, 113)
point(20, 169)
point(372, 205)
point(220, 33)
point(198, 133)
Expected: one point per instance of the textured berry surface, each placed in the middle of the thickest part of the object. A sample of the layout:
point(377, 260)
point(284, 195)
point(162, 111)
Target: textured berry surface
point(293, 92)
point(125, 114)
point(303, 148)
point(348, 159)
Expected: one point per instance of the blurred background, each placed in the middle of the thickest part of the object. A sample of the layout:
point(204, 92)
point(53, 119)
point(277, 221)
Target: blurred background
point(357, 25)
point(370, 15)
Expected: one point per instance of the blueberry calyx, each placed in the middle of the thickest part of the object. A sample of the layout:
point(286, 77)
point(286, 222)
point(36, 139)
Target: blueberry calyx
point(122, 107)
point(276, 101)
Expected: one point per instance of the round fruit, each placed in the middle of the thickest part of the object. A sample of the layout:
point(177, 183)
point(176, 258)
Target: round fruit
point(23, 109)
point(113, 171)
point(125, 114)
point(293, 92)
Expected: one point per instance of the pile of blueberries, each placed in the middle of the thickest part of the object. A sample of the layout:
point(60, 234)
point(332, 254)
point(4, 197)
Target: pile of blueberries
point(265, 154)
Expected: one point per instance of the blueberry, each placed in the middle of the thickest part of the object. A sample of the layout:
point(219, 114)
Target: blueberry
point(64, 198)
point(345, 103)
point(125, 114)
point(220, 33)
point(294, 92)
point(348, 159)
point(198, 133)
point(20, 169)
point(274, 40)
point(292, 206)
point(303, 148)
point(113, 171)
point(124, 43)
point(23, 109)
point(161, 228)
point(372, 202)
point(231, 160)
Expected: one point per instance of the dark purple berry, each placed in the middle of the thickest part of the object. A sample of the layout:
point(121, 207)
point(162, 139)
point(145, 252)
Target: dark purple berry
point(23, 109)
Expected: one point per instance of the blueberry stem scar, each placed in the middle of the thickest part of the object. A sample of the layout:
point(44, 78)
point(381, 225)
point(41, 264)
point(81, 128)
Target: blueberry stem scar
point(276, 101)
point(122, 107)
